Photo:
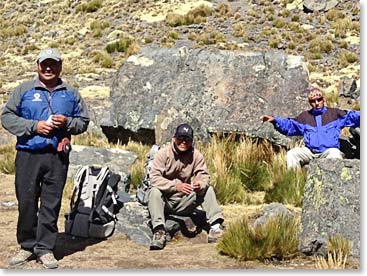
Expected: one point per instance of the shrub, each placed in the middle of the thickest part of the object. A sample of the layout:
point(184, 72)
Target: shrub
point(276, 239)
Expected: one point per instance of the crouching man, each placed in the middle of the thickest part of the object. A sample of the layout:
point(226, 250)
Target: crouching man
point(181, 182)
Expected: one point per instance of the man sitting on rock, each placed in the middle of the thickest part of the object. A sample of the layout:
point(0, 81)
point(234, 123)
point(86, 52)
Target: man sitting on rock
point(320, 127)
point(180, 182)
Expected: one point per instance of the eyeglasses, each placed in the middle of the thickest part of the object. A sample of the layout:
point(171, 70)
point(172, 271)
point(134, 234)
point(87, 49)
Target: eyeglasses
point(184, 138)
point(317, 100)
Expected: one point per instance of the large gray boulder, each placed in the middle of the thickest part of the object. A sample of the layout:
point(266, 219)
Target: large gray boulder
point(331, 205)
point(319, 5)
point(214, 90)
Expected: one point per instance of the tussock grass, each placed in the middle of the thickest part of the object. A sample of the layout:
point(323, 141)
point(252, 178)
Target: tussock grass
point(7, 159)
point(346, 58)
point(103, 58)
point(278, 238)
point(138, 168)
point(90, 6)
point(338, 252)
point(194, 16)
point(287, 184)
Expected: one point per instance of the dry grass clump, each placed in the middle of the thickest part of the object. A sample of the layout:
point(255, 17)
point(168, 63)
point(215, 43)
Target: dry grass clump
point(278, 239)
point(103, 58)
point(195, 16)
point(239, 30)
point(210, 36)
point(338, 252)
point(90, 6)
point(127, 45)
point(7, 158)
point(346, 58)
point(10, 31)
point(334, 14)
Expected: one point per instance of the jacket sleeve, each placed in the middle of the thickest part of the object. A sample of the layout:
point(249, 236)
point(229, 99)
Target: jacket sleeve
point(350, 119)
point(12, 121)
point(288, 126)
point(201, 173)
point(79, 123)
point(157, 173)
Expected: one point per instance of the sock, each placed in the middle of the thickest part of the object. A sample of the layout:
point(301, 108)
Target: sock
point(215, 227)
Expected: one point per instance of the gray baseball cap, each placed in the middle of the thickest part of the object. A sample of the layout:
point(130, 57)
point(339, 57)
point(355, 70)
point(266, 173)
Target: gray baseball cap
point(49, 53)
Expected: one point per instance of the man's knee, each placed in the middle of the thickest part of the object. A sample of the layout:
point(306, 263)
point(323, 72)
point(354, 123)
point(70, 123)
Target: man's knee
point(333, 153)
point(154, 193)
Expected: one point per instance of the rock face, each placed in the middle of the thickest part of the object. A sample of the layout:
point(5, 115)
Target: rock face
point(331, 205)
point(213, 90)
point(319, 5)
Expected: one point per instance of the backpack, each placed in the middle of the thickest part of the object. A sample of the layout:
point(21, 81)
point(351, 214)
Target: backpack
point(93, 203)
point(143, 189)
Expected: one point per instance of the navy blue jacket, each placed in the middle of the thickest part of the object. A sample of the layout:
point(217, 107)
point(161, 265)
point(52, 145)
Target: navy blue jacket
point(31, 102)
point(319, 128)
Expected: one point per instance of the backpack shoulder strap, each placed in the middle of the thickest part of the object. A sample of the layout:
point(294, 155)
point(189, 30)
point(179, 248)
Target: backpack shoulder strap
point(78, 180)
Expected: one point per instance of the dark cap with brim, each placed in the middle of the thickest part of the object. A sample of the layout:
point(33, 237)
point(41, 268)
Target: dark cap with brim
point(184, 130)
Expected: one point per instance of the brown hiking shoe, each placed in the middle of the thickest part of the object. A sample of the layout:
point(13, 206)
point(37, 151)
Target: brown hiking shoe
point(48, 261)
point(159, 240)
point(214, 235)
point(22, 257)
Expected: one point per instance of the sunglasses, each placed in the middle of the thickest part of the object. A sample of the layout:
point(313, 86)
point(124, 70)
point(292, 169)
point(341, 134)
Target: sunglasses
point(317, 100)
point(184, 138)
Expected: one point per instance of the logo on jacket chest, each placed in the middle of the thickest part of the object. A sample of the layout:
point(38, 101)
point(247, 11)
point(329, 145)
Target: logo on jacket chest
point(37, 97)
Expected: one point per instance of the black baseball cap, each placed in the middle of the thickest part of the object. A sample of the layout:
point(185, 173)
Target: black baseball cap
point(184, 130)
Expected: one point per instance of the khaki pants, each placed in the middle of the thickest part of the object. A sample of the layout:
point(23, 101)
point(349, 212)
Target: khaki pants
point(302, 155)
point(159, 204)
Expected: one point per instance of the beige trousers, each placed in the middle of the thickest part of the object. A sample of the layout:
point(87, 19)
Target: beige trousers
point(159, 204)
point(302, 155)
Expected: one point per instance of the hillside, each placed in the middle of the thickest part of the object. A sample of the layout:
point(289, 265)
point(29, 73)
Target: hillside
point(86, 32)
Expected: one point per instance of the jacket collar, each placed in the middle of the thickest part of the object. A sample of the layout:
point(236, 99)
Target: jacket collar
point(317, 112)
point(39, 84)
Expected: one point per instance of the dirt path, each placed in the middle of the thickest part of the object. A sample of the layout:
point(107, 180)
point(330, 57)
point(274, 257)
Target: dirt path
point(118, 252)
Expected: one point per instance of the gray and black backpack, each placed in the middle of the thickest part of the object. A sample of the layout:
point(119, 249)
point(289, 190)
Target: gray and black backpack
point(143, 189)
point(93, 204)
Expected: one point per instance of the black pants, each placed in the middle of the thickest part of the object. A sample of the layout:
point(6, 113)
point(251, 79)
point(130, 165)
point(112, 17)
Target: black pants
point(39, 183)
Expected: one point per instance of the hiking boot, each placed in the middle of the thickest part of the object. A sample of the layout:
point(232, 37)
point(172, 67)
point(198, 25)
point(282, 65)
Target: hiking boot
point(159, 240)
point(48, 261)
point(22, 257)
point(215, 234)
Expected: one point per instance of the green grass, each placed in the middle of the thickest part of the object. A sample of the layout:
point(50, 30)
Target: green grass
point(287, 186)
point(278, 238)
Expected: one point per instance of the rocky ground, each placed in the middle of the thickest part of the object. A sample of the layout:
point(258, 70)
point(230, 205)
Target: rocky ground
point(118, 252)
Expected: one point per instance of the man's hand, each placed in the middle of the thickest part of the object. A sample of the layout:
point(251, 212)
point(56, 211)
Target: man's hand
point(44, 128)
point(184, 188)
point(196, 186)
point(267, 118)
point(59, 120)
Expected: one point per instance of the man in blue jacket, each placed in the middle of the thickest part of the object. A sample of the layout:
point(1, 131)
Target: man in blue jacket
point(320, 127)
point(43, 113)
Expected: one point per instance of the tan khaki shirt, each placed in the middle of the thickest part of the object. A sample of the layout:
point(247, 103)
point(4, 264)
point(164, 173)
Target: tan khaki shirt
point(171, 167)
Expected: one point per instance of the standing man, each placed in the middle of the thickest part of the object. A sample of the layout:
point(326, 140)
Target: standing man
point(320, 127)
point(43, 113)
point(180, 182)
